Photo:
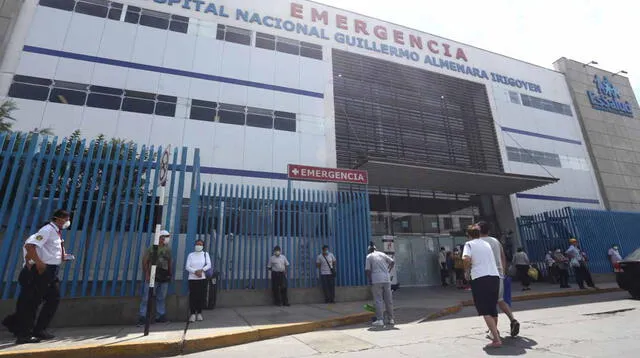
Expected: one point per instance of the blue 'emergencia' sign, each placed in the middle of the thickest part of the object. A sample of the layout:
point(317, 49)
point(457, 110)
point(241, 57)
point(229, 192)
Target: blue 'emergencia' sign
point(608, 98)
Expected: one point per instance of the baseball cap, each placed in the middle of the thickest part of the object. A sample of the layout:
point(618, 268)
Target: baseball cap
point(164, 233)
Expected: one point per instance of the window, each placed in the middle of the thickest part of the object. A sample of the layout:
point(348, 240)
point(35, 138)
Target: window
point(513, 96)
point(104, 97)
point(179, 24)
point(546, 105)
point(310, 50)
point(465, 222)
point(265, 41)
point(115, 11)
point(285, 121)
point(231, 114)
point(133, 15)
point(59, 4)
point(68, 93)
point(293, 47)
point(203, 110)
point(234, 34)
point(166, 105)
point(155, 19)
point(139, 102)
point(30, 88)
point(258, 117)
point(533, 157)
point(288, 46)
point(97, 8)
point(447, 223)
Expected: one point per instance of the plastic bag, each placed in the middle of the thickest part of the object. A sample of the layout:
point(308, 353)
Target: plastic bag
point(533, 273)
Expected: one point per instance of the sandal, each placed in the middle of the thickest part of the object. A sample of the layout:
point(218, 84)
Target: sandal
point(494, 344)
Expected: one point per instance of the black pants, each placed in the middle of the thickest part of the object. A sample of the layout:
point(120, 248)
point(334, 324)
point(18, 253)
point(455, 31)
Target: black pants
point(582, 275)
point(279, 288)
point(443, 274)
point(563, 277)
point(35, 288)
point(328, 283)
point(197, 289)
point(523, 275)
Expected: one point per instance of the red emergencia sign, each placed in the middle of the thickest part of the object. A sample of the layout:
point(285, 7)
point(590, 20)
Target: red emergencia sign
point(335, 175)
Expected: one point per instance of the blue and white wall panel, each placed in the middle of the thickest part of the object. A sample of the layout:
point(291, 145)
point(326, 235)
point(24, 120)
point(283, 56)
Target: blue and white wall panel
point(71, 46)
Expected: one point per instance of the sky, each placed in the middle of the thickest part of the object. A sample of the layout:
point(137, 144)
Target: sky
point(538, 31)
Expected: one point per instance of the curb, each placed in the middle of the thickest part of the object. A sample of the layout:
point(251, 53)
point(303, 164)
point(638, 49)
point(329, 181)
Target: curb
point(231, 339)
point(194, 345)
point(142, 349)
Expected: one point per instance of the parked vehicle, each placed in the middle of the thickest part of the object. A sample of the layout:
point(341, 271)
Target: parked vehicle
point(628, 273)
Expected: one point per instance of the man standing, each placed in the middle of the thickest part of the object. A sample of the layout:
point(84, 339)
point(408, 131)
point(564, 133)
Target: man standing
point(442, 260)
point(501, 263)
point(579, 265)
point(278, 264)
point(378, 266)
point(43, 254)
point(326, 263)
point(163, 278)
point(485, 281)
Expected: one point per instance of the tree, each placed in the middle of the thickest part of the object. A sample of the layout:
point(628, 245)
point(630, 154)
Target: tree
point(6, 109)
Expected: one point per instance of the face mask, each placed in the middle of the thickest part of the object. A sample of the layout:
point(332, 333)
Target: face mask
point(199, 248)
point(167, 240)
point(66, 225)
point(277, 253)
point(325, 252)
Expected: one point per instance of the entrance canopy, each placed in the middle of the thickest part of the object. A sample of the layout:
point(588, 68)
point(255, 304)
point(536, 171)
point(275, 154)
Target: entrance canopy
point(398, 175)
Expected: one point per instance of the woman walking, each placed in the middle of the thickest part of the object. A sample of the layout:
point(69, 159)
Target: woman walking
point(198, 263)
point(521, 260)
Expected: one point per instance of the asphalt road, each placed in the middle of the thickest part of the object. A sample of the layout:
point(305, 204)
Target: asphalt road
point(604, 325)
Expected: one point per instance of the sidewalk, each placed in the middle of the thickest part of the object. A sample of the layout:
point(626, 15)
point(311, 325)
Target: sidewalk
point(232, 326)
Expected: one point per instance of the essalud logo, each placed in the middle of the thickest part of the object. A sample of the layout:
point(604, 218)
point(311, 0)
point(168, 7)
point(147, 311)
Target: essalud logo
point(608, 98)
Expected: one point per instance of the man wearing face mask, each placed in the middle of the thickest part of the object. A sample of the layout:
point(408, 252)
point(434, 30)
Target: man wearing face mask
point(278, 266)
point(326, 263)
point(163, 278)
point(43, 253)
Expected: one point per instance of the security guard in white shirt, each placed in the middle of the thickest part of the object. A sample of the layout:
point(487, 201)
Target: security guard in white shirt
point(278, 266)
point(44, 253)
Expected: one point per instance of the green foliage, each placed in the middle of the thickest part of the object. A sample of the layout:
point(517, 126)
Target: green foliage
point(113, 164)
point(6, 109)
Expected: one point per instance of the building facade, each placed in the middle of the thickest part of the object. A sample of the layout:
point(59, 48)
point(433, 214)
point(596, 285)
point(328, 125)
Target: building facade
point(609, 114)
point(448, 132)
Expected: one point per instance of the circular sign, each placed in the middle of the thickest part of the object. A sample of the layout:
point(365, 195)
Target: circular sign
point(164, 167)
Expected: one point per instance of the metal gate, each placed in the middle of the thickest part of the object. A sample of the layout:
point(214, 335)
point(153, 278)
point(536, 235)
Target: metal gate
point(241, 225)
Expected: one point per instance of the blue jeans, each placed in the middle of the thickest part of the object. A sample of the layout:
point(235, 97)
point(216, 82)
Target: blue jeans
point(160, 291)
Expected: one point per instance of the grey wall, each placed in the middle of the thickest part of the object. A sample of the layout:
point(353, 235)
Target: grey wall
point(9, 10)
point(613, 140)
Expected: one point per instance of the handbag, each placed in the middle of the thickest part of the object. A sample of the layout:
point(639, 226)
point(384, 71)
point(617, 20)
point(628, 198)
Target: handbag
point(209, 272)
point(333, 269)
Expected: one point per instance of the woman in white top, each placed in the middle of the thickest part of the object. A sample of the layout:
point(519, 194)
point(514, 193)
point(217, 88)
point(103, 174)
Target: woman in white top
point(198, 262)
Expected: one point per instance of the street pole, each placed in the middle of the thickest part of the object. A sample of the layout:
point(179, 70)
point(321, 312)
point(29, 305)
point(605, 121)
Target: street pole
point(164, 168)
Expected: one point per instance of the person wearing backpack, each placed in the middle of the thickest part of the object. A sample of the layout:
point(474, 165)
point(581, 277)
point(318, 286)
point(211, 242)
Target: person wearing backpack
point(199, 267)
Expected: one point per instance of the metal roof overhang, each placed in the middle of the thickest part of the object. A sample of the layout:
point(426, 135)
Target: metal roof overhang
point(399, 175)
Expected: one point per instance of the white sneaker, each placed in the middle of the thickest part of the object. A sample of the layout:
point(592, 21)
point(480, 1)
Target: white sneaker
point(199, 317)
point(378, 323)
point(392, 322)
point(192, 318)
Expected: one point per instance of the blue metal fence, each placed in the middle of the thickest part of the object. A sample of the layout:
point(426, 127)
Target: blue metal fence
point(241, 224)
point(110, 188)
point(597, 231)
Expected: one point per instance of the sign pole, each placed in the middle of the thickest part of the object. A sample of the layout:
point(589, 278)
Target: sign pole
point(164, 171)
